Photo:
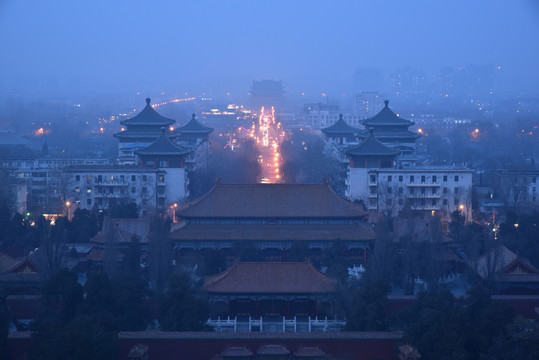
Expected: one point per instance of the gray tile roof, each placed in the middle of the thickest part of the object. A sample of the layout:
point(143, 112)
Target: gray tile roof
point(148, 116)
point(386, 117)
point(340, 127)
point(371, 147)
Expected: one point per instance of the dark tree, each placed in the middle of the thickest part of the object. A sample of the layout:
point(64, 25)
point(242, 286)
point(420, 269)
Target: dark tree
point(364, 305)
point(181, 308)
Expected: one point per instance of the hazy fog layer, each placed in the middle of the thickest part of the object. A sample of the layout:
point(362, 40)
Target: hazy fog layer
point(87, 47)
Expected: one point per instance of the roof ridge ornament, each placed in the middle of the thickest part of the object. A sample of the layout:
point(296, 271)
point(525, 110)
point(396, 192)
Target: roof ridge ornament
point(386, 102)
point(148, 100)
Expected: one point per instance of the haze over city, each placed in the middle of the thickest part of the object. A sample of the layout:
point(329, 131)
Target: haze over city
point(62, 48)
point(269, 180)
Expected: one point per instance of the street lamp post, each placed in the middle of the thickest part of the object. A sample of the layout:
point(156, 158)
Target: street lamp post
point(173, 207)
point(68, 204)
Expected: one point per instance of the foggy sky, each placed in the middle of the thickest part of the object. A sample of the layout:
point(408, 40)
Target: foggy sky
point(99, 46)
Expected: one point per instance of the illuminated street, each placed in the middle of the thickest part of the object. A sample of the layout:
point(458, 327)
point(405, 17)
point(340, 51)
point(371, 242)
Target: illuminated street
point(268, 137)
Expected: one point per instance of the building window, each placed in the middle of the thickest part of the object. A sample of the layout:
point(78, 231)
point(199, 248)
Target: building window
point(433, 191)
point(373, 178)
point(163, 164)
point(89, 177)
point(373, 191)
point(389, 178)
point(422, 190)
point(89, 202)
point(111, 177)
point(433, 202)
point(400, 190)
point(389, 202)
point(144, 190)
point(77, 189)
point(99, 178)
point(133, 178)
point(433, 178)
point(445, 190)
point(456, 202)
point(400, 178)
point(122, 178)
point(445, 202)
point(372, 202)
point(133, 190)
point(445, 177)
point(411, 191)
point(144, 178)
point(411, 179)
point(456, 190)
point(456, 178)
point(161, 178)
point(389, 190)
point(534, 179)
point(422, 179)
point(400, 202)
point(77, 177)
point(89, 190)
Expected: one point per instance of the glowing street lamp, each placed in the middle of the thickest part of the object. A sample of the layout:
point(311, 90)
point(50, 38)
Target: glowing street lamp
point(173, 208)
point(68, 205)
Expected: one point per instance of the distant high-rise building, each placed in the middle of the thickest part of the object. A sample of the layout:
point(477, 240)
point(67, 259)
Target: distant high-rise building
point(447, 85)
point(407, 82)
point(475, 81)
point(368, 103)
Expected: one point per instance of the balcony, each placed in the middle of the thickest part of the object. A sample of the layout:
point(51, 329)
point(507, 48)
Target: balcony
point(425, 196)
point(111, 183)
point(423, 184)
point(110, 195)
point(425, 207)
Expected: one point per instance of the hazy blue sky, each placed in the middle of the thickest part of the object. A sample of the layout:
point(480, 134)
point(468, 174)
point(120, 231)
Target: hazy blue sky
point(93, 45)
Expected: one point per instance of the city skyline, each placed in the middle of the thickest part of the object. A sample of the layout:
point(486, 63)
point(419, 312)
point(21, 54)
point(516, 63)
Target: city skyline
point(71, 48)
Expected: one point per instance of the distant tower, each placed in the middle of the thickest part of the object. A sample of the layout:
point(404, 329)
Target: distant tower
point(141, 130)
point(392, 131)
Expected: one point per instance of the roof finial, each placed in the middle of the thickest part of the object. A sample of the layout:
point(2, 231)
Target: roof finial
point(163, 129)
point(371, 130)
point(148, 101)
point(386, 102)
point(193, 117)
point(340, 117)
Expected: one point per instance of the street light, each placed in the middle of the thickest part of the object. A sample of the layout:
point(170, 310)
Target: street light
point(68, 204)
point(173, 207)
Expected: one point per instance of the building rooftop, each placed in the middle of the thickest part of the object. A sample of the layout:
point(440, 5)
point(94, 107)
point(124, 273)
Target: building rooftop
point(340, 127)
point(194, 127)
point(108, 168)
point(371, 147)
point(269, 232)
point(274, 350)
point(270, 278)
point(148, 116)
point(271, 201)
point(386, 117)
point(163, 146)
